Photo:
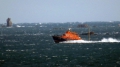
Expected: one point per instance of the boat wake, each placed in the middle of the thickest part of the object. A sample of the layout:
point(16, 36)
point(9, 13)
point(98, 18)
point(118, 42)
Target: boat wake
point(104, 40)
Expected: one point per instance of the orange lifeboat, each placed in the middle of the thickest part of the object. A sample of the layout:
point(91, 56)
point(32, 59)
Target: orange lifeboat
point(68, 35)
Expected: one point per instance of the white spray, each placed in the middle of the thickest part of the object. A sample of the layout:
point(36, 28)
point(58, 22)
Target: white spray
point(104, 40)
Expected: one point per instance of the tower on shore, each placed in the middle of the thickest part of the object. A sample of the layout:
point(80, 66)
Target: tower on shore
point(9, 22)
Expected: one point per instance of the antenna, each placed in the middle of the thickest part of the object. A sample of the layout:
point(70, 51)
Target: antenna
point(88, 33)
point(69, 28)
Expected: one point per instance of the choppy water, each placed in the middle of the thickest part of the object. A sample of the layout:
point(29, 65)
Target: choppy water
point(31, 45)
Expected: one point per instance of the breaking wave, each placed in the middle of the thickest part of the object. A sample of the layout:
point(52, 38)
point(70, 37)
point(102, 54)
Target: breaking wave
point(104, 40)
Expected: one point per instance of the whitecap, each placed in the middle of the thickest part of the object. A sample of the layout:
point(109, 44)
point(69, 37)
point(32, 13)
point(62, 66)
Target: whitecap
point(104, 40)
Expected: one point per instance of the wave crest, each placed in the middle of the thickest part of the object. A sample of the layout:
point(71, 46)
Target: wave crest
point(107, 40)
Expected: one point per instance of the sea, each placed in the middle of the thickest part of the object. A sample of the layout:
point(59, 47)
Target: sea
point(31, 45)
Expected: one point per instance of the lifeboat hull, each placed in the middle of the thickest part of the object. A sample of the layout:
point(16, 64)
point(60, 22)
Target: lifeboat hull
point(58, 39)
point(68, 35)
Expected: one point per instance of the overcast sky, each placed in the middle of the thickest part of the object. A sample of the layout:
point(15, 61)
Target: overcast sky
point(59, 10)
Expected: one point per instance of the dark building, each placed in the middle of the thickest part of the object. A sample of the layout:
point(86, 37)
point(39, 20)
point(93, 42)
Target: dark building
point(9, 22)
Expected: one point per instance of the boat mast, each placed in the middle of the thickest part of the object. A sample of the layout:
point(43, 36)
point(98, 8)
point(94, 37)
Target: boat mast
point(88, 33)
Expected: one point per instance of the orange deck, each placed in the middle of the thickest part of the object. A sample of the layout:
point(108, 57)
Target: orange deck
point(70, 36)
